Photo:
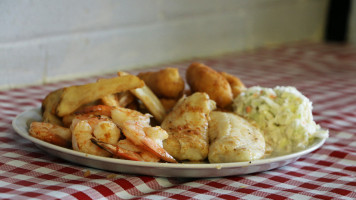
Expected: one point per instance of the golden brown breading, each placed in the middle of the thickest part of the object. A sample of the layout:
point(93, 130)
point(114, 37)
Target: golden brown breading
point(168, 104)
point(202, 78)
point(166, 83)
point(235, 83)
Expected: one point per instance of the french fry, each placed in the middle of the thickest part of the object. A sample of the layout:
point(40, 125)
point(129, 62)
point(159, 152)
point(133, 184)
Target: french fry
point(49, 106)
point(121, 99)
point(152, 103)
point(149, 99)
point(125, 98)
point(110, 100)
point(75, 96)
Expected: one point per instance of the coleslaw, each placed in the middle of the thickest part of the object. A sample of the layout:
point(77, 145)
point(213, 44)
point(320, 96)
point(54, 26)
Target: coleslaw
point(284, 115)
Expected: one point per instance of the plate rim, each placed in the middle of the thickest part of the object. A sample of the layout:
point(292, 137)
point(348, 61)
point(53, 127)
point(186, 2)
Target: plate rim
point(19, 120)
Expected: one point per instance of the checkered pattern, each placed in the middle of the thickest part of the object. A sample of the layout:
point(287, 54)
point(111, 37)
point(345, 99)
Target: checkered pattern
point(324, 73)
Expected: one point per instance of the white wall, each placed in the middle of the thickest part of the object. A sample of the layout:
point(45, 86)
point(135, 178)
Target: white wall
point(45, 41)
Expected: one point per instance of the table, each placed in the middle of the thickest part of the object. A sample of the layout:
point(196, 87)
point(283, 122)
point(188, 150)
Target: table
point(325, 73)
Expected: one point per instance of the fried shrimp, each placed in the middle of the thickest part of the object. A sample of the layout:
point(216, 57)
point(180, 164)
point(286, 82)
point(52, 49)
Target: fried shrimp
point(202, 78)
point(235, 83)
point(166, 83)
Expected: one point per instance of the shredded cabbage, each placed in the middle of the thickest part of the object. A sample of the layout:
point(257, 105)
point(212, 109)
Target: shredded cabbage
point(284, 115)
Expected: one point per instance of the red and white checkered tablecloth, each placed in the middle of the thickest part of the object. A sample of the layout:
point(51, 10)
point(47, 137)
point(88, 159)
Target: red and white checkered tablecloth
point(325, 73)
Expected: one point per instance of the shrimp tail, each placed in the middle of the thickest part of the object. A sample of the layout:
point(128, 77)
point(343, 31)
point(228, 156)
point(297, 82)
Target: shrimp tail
point(157, 150)
point(117, 151)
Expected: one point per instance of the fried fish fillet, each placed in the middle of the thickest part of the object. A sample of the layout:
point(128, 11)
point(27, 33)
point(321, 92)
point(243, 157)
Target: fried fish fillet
point(233, 139)
point(187, 126)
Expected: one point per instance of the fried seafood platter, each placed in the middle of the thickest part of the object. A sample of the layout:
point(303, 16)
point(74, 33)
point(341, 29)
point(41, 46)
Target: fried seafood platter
point(153, 117)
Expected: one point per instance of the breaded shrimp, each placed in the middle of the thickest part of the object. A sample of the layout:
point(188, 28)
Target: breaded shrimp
point(235, 83)
point(166, 83)
point(202, 78)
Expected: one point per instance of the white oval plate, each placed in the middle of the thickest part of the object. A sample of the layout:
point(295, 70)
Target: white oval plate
point(22, 122)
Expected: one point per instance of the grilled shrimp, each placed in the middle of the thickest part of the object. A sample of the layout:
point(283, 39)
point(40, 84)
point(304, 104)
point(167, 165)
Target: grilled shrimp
point(100, 127)
point(135, 126)
point(51, 133)
point(127, 150)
